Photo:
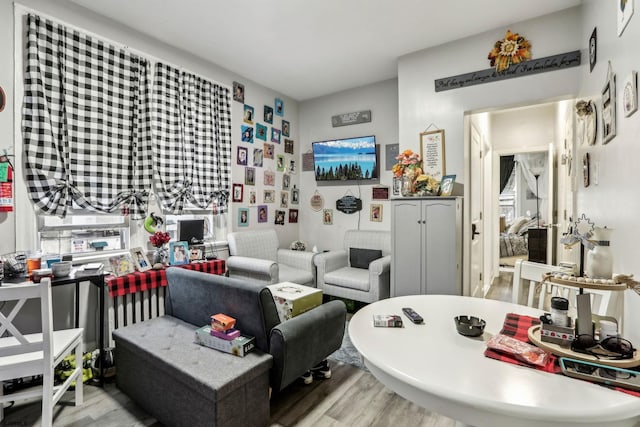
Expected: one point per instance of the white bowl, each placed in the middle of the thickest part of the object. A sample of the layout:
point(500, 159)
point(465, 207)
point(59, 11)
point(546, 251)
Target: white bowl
point(61, 269)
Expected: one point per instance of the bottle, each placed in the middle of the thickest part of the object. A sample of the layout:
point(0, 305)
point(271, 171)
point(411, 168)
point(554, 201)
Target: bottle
point(559, 311)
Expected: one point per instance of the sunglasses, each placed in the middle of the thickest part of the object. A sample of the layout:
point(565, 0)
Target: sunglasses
point(609, 348)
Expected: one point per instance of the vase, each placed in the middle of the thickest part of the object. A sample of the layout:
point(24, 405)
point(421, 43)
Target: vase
point(406, 188)
point(161, 256)
point(600, 258)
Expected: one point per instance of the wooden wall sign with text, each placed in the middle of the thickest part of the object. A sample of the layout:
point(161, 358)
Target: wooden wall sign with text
point(526, 68)
point(354, 118)
point(349, 204)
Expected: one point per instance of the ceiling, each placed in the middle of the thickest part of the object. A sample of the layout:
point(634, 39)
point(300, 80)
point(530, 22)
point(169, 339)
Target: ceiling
point(309, 48)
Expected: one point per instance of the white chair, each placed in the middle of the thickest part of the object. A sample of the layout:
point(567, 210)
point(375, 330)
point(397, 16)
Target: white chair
point(23, 355)
point(533, 272)
point(345, 274)
point(256, 255)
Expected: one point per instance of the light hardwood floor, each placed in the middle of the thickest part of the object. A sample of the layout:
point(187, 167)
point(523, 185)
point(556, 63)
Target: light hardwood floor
point(352, 397)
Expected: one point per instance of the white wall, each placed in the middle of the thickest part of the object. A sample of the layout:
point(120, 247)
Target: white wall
point(315, 125)
point(420, 105)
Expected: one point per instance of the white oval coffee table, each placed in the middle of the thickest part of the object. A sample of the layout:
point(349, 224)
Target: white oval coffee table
point(437, 368)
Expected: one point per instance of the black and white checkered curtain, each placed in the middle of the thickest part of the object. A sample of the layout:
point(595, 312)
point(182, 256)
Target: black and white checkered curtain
point(86, 123)
point(192, 140)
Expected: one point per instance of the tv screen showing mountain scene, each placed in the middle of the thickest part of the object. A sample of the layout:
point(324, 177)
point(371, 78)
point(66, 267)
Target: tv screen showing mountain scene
point(345, 159)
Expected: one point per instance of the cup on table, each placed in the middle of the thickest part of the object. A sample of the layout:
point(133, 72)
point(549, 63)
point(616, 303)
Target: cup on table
point(608, 329)
point(33, 263)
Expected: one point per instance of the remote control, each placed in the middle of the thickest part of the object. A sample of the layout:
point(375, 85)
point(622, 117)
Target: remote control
point(412, 315)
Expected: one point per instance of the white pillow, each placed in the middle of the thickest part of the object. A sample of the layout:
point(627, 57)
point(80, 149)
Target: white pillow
point(517, 224)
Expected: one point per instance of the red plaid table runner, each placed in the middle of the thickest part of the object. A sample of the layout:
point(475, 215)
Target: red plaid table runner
point(517, 326)
point(150, 279)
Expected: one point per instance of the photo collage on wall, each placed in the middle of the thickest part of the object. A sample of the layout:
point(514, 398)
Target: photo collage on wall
point(266, 153)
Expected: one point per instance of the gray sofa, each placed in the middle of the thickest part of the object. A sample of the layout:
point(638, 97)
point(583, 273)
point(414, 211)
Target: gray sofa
point(182, 383)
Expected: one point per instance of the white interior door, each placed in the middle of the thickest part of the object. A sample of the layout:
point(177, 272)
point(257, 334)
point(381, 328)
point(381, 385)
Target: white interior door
point(477, 224)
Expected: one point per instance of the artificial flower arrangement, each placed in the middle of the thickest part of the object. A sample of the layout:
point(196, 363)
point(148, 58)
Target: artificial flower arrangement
point(513, 49)
point(159, 239)
point(427, 184)
point(408, 162)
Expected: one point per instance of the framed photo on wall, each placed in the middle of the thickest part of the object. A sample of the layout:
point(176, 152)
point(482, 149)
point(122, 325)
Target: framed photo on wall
point(237, 192)
point(243, 217)
point(630, 94)
point(241, 157)
point(380, 193)
point(432, 153)
point(376, 213)
point(609, 109)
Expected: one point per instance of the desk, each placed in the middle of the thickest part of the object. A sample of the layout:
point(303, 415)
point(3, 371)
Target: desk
point(437, 368)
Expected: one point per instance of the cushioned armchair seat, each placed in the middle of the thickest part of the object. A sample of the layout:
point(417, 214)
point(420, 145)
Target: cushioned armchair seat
point(255, 255)
point(338, 277)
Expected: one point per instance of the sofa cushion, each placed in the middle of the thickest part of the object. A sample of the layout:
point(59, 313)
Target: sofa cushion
point(295, 275)
point(347, 277)
point(361, 258)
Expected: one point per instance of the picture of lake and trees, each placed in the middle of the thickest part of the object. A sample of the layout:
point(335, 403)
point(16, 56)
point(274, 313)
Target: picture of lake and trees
point(345, 159)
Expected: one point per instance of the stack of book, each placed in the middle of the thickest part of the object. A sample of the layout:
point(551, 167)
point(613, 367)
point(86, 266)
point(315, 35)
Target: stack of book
point(222, 335)
point(91, 269)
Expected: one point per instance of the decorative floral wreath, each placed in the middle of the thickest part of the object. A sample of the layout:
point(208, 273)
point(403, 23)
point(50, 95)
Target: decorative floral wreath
point(513, 49)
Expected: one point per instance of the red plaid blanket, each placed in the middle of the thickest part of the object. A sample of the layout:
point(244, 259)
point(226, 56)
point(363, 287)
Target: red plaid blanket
point(517, 326)
point(151, 279)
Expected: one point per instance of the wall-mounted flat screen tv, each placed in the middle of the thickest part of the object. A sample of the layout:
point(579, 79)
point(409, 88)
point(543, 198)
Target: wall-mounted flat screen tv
point(345, 159)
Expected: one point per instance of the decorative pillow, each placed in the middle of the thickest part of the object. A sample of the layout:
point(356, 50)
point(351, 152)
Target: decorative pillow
point(361, 258)
point(517, 224)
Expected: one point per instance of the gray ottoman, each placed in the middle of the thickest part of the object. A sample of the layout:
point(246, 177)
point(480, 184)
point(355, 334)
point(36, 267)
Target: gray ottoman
point(181, 383)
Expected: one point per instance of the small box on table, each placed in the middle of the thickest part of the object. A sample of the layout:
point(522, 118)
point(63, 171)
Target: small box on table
point(292, 299)
point(561, 335)
point(238, 347)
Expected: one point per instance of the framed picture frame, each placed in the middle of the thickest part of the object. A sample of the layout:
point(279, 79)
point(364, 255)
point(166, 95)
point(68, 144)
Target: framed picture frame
point(286, 127)
point(122, 265)
point(237, 192)
point(252, 197)
point(243, 217)
point(327, 216)
point(269, 150)
point(380, 193)
point(286, 181)
point(263, 213)
point(295, 195)
point(630, 94)
point(279, 217)
point(238, 92)
point(293, 216)
point(241, 156)
point(268, 114)
point(268, 196)
point(248, 114)
point(288, 145)
point(279, 104)
point(446, 185)
point(249, 176)
point(397, 181)
point(376, 212)
point(280, 163)
point(247, 134)
point(140, 259)
point(270, 178)
point(257, 157)
point(593, 49)
point(178, 253)
point(261, 131)
point(432, 153)
point(609, 109)
point(284, 199)
point(196, 254)
point(625, 11)
point(275, 135)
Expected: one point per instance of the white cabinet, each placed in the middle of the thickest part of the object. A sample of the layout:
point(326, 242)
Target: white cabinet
point(426, 248)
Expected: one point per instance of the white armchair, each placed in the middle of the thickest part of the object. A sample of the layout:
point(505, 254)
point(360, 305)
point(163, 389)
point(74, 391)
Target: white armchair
point(255, 255)
point(343, 273)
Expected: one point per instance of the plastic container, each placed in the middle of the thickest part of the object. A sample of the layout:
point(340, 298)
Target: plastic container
point(40, 273)
point(559, 311)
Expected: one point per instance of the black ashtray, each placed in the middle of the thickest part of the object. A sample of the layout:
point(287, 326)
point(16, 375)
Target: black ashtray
point(470, 326)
